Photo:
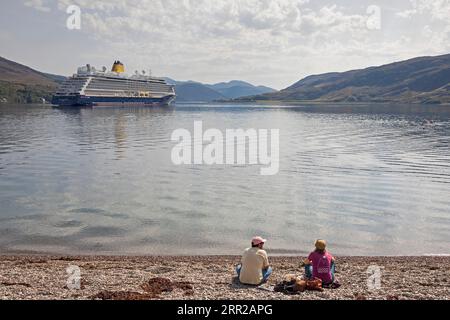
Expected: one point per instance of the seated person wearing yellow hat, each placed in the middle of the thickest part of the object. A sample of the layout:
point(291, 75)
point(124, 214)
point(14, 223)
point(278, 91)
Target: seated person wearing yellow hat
point(320, 264)
point(254, 268)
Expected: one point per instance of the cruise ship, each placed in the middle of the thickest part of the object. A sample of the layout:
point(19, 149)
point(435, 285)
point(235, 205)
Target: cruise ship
point(91, 87)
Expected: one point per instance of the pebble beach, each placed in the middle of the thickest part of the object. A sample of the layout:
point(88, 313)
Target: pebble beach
point(30, 277)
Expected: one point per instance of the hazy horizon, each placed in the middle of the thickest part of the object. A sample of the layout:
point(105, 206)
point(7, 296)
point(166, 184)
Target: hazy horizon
point(273, 43)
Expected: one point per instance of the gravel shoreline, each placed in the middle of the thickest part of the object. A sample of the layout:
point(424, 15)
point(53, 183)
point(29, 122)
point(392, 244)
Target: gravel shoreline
point(212, 277)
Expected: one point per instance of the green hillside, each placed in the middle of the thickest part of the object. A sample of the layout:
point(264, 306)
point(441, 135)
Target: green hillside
point(420, 80)
point(21, 84)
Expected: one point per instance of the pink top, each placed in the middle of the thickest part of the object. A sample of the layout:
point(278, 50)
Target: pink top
point(321, 263)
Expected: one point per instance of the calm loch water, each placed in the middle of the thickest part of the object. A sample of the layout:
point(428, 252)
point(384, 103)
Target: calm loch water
point(372, 180)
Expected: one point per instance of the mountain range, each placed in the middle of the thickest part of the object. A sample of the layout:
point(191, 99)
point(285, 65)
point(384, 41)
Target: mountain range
point(420, 80)
point(196, 91)
point(423, 80)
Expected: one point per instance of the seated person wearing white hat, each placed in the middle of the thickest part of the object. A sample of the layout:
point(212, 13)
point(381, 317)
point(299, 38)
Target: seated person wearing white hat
point(254, 268)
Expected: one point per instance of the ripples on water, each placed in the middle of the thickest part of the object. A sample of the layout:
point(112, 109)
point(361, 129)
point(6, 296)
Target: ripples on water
point(371, 180)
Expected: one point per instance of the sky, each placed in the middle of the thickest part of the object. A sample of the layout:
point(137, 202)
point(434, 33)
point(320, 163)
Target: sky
point(265, 42)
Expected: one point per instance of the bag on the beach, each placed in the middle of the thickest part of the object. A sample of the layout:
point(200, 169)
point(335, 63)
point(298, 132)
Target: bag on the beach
point(291, 284)
point(314, 284)
point(300, 285)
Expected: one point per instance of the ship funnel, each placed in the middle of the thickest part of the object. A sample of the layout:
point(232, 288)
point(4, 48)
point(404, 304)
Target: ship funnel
point(118, 67)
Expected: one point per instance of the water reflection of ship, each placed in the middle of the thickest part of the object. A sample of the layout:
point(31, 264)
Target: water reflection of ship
point(95, 112)
point(120, 135)
point(87, 120)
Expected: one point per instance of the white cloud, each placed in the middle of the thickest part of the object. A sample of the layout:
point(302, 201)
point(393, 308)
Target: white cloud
point(407, 13)
point(437, 9)
point(436, 39)
point(38, 5)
